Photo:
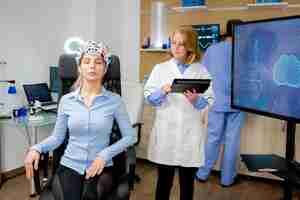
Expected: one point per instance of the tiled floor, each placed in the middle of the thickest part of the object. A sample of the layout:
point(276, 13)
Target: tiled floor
point(248, 189)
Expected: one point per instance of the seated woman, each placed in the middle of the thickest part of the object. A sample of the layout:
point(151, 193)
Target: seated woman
point(88, 113)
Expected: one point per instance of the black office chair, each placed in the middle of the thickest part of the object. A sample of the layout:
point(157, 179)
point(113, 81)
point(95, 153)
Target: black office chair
point(124, 163)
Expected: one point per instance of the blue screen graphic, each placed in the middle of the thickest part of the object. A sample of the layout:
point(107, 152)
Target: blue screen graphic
point(266, 71)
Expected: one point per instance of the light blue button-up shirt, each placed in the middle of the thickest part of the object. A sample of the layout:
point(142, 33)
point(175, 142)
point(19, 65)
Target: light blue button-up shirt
point(89, 129)
point(158, 97)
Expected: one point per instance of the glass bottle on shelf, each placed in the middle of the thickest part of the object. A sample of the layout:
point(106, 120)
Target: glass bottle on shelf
point(12, 101)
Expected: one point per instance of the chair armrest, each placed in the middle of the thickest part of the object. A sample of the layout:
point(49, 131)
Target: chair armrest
point(131, 157)
point(43, 163)
point(138, 125)
point(131, 164)
point(36, 179)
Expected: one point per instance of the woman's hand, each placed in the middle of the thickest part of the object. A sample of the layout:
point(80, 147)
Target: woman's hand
point(32, 158)
point(96, 168)
point(166, 88)
point(192, 96)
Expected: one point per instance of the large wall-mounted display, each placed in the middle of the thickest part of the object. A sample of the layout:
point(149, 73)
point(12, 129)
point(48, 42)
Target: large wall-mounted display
point(266, 67)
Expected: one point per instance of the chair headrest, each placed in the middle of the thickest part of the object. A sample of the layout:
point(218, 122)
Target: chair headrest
point(67, 66)
point(113, 70)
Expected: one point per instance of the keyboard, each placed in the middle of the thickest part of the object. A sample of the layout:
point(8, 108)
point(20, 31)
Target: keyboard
point(48, 103)
point(4, 115)
point(49, 107)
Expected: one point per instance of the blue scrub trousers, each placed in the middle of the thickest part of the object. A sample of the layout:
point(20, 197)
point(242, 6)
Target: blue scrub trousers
point(223, 128)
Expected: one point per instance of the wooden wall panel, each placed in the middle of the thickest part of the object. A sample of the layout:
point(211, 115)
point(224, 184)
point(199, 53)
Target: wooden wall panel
point(260, 135)
point(149, 59)
point(176, 19)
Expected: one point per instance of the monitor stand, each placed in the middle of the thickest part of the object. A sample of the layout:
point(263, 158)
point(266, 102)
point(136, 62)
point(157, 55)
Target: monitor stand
point(286, 168)
point(289, 156)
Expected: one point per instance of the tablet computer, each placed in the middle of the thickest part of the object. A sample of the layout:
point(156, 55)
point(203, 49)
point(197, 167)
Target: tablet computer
point(181, 85)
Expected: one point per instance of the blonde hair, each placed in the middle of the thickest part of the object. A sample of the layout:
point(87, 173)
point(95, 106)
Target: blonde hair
point(190, 44)
point(78, 82)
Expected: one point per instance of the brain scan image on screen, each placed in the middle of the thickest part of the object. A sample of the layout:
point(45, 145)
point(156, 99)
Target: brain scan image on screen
point(267, 67)
point(256, 77)
point(286, 71)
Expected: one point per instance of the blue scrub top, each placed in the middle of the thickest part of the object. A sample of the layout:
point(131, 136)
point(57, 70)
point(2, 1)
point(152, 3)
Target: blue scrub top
point(217, 60)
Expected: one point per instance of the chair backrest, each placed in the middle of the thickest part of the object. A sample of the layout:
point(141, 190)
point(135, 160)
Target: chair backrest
point(112, 78)
point(67, 67)
point(68, 73)
point(112, 81)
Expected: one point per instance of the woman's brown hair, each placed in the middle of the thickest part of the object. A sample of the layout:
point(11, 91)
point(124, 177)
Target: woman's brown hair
point(78, 82)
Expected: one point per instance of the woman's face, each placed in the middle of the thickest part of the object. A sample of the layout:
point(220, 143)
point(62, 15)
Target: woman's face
point(178, 49)
point(92, 67)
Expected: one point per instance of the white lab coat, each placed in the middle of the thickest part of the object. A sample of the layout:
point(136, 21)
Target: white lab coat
point(178, 134)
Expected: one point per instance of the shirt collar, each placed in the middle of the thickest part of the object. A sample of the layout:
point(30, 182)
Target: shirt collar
point(76, 94)
point(179, 64)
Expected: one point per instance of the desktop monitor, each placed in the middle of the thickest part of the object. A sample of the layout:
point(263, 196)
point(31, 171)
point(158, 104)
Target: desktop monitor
point(55, 82)
point(207, 34)
point(37, 91)
point(266, 68)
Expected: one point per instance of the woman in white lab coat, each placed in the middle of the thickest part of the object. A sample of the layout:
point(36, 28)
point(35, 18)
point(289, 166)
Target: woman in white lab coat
point(178, 134)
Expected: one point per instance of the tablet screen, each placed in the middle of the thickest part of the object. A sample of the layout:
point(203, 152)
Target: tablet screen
point(181, 85)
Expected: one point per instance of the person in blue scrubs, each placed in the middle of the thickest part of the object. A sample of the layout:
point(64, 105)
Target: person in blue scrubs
point(88, 114)
point(224, 123)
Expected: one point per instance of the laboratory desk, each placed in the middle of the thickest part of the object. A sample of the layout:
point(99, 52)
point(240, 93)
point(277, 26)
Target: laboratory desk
point(30, 127)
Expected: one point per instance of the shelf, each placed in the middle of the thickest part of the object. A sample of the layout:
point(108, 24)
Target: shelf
point(268, 5)
point(294, 6)
point(205, 8)
point(232, 8)
point(154, 50)
point(191, 8)
point(260, 163)
point(275, 165)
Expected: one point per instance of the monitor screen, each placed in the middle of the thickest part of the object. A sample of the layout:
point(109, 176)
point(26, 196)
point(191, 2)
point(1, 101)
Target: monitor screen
point(37, 91)
point(266, 67)
point(207, 34)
